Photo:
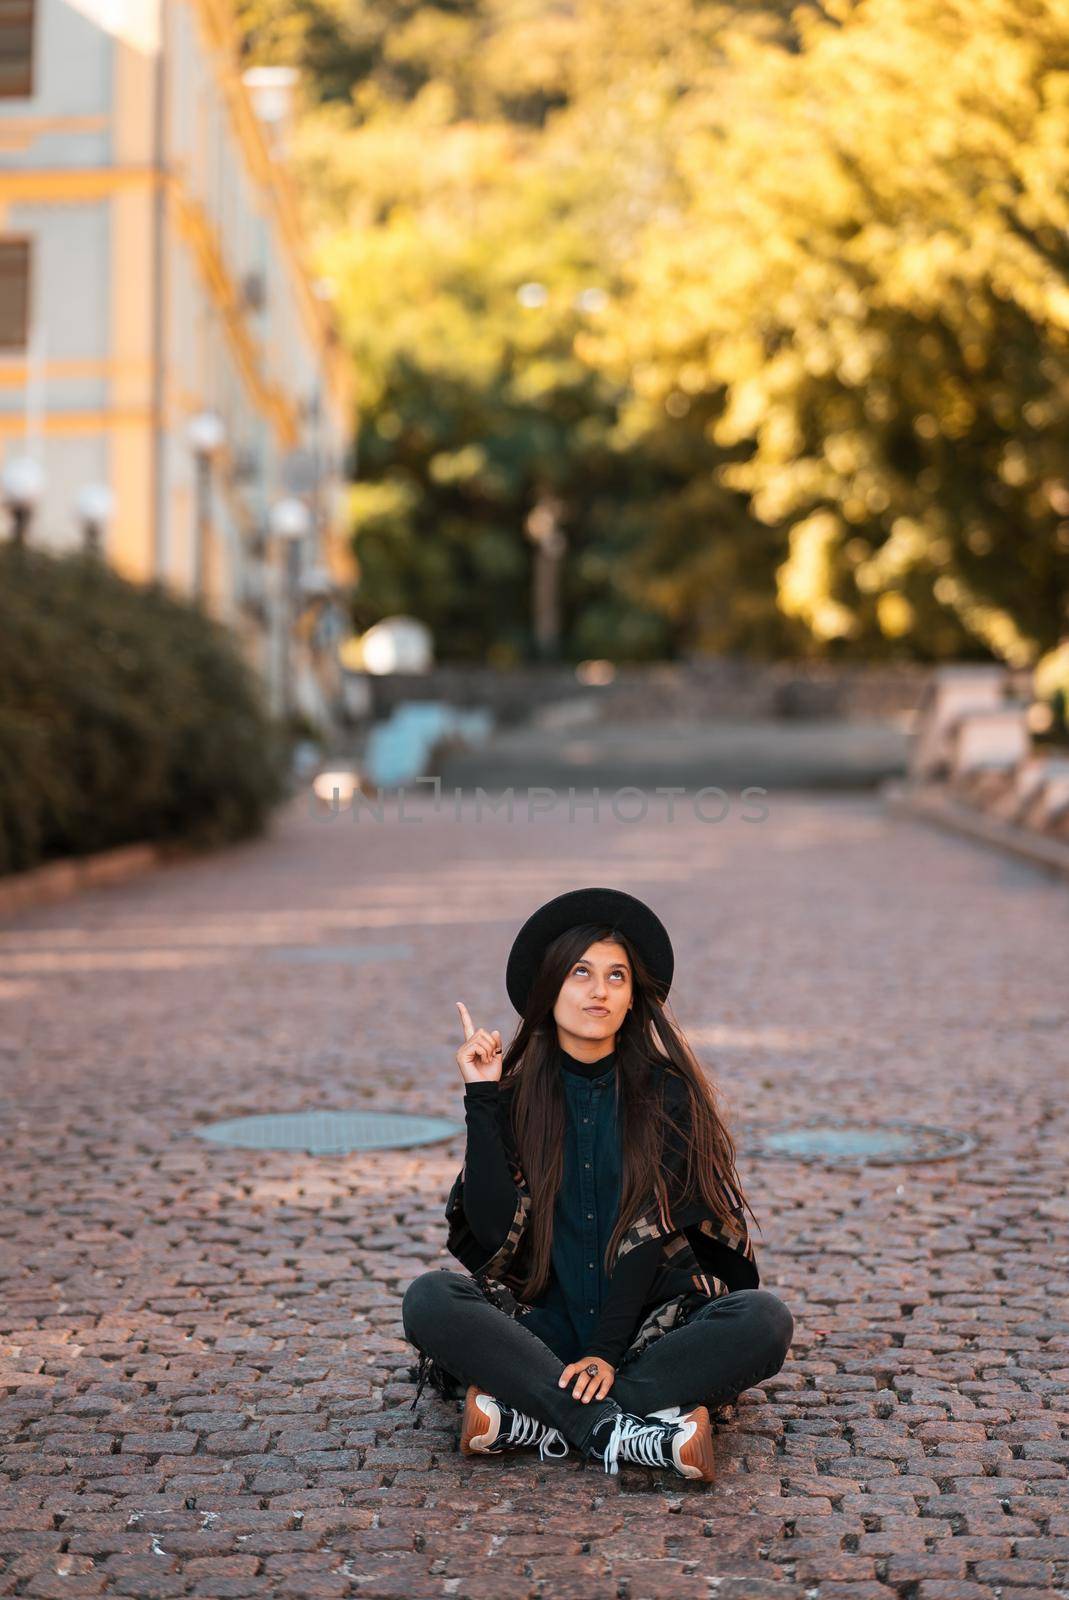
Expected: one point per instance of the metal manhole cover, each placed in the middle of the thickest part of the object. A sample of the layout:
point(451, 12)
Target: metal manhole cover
point(353, 955)
point(875, 1143)
point(329, 1133)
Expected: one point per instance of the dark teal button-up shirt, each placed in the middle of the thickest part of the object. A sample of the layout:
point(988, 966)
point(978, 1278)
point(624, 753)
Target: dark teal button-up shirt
point(581, 1311)
point(587, 1205)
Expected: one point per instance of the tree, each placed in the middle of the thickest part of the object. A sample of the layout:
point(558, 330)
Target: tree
point(887, 211)
point(772, 297)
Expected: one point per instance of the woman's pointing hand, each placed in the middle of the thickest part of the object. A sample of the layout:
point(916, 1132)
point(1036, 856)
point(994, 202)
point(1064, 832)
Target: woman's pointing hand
point(479, 1057)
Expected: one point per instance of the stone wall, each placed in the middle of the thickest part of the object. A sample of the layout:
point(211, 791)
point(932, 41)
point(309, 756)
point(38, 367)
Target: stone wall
point(724, 687)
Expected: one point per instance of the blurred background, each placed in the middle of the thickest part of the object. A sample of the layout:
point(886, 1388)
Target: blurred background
point(525, 389)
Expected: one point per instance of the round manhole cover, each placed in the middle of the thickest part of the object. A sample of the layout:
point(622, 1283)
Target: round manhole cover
point(329, 1133)
point(876, 1143)
point(352, 955)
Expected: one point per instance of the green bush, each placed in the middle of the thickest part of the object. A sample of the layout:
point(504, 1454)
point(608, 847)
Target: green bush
point(126, 715)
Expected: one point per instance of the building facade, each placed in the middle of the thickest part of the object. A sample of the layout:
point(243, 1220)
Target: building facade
point(166, 355)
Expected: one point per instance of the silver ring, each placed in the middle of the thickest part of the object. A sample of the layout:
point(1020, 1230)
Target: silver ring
point(592, 1370)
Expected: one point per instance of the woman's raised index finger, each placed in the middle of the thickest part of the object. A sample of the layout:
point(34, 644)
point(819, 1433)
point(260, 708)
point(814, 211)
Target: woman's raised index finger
point(465, 1019)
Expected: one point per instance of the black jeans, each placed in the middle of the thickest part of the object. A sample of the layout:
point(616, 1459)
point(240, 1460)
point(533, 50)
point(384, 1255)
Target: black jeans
point(727, 1345)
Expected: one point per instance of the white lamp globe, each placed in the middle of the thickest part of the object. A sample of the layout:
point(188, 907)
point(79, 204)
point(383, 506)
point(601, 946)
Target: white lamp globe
point(290, 519)
point(23, 481)
point(206, 432)
point(397, 644)
point(95, 503)
point(317, 583)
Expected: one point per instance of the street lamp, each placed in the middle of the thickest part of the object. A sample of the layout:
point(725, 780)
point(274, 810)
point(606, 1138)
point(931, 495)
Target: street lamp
point(290, 519)
point(545, 533)
point(206, 432)
point(291, 522)
point(592, 299)
point(317, 584)
point(95, 505)
point(23, 483)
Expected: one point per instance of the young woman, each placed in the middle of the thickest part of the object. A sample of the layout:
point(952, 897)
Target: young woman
point(612, 1291)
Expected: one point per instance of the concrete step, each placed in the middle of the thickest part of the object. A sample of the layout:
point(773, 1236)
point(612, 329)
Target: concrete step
point(817, 753)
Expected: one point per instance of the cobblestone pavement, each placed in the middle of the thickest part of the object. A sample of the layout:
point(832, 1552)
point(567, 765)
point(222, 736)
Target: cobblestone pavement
point(205, 1389)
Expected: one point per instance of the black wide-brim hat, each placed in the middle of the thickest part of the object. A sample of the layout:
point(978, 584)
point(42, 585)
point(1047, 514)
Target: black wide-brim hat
point(607, 907)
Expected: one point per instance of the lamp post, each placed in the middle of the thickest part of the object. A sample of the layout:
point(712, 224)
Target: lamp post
point(317, 584)
point(544, 531)
point(291, 522)
point(23, 483)
point(95, 505)
point(206, 433)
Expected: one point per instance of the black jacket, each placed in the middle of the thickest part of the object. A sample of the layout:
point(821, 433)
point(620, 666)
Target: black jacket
point(701, 1258)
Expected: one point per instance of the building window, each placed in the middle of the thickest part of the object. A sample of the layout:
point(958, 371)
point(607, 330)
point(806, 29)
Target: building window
point(14, 293)
point(16, 47)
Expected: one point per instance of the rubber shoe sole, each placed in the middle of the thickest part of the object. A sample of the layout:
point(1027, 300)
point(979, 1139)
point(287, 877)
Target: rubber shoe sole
point(693, 1447)
point(478, 1430)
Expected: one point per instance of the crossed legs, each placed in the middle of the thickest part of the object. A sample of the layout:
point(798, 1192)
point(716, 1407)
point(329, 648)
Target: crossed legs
point(448, 1316)
point(727, 1346)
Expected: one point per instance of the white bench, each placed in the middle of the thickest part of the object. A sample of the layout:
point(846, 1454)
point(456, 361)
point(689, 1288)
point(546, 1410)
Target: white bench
point(987, 751)
point(1047, 804)
point(950, 693)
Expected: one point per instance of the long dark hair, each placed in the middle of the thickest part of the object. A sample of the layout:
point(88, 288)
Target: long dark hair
point(531, 1064)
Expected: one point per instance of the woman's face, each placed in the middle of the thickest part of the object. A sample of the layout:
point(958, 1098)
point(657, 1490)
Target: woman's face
point(596, 993)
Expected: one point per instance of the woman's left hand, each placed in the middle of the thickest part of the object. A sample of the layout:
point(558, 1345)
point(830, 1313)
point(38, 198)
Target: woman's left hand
point(589, 1385)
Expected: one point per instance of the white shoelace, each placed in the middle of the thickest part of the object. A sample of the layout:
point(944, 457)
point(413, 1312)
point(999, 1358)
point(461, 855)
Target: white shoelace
point(636, 1440)
point(528, 1430)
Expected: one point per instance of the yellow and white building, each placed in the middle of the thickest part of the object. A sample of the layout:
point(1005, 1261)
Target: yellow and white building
point(152, 271)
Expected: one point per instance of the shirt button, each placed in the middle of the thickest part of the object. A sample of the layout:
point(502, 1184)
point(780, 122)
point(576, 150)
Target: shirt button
point(590, 1216)
point(586, 1164)
point(590, 1264)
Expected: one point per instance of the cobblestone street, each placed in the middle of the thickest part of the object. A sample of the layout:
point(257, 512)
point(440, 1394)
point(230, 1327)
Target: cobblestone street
point(205, 1388)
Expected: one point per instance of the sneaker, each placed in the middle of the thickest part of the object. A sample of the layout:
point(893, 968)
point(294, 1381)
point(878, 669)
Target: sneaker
point(683, 1443)
point(490, 1426)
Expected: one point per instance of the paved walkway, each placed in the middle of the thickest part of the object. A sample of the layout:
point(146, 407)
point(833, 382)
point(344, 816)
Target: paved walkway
point(204, 1385)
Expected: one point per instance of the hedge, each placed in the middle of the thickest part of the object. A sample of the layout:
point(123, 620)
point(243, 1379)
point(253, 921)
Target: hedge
point(126, 715)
